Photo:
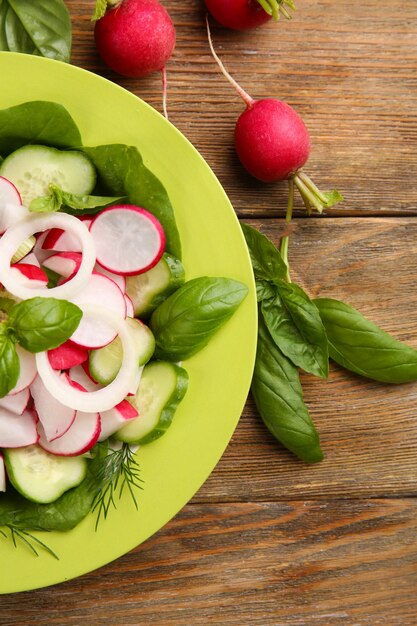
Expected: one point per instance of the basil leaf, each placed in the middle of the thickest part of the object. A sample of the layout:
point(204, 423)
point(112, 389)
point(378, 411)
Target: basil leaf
point(42, 28)
point(80, 203)
point(185, 322)
point(43, 323)
point(264, 290)
point(266, 260)
point(9, 365)
point(6, 303)
point(278, 396)
point(360, 346)
point(123, 173)
point(296, 327)
point(37, 122)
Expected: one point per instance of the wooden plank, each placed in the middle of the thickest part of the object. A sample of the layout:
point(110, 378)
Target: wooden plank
point(330, 563)
point(348, 67)
point(368, 430)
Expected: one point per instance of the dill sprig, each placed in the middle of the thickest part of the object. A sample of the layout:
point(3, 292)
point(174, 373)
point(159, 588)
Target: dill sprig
point(32, 543)
point(118, 471)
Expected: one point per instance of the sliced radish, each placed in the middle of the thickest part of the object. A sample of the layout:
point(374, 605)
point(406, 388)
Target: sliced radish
point(17, 431)
point(67, 355)
point(2, 474)
point(99, 291)
point(16, 403)
point(130, 310)
point(27, 371)
point(55, 418)
point(118, 279)
point(107, 397)
point(34, 223)
point(29, 275)
point(38, 251)
point(64, 263)
point(61, 241)
point(78, 375)
point(129, 239)
point(114, 419)
point(11, 208)
point(80, 438)
point(29, 259)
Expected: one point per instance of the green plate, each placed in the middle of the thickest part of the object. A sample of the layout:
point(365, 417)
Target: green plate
point(175, 466)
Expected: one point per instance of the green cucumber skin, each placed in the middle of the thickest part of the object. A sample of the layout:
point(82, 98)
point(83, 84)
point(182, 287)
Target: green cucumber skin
point(168, 411)
point(176, 278)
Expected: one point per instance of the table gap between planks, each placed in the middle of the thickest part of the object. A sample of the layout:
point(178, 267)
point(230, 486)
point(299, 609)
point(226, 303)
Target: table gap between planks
point(267, 539)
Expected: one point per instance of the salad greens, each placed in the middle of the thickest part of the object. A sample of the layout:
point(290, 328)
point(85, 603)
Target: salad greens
point(81, 204)
point(42, 28)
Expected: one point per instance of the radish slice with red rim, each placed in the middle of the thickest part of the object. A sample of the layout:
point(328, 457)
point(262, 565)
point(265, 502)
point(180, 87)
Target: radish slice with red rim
point(11, 208)
point(101, 399)
point(17, 233)
point(55, 417)
point(27, 372)
point(17, 431)
point(79, 438)
point(129, 240)
point(17, 402)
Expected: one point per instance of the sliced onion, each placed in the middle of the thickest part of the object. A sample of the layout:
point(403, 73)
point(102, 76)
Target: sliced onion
point(34, 223)
point(107, 397)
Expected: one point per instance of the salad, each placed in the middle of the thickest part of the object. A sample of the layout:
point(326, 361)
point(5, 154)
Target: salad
point(97, 318)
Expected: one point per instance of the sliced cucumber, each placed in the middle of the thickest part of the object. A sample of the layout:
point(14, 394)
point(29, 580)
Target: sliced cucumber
point(40, 476)
point(161, 389)
point(32, 169)
point(150, 289)
point(104, 363)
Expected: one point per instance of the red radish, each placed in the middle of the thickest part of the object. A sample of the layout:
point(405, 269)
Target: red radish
point(81, 436)
point(135, 38)
point(238, 14)
point(30, 274)
point(79, 376)
point(17, 431)
point(65, 264)
point(129, 240)
point(55, 418)
point(61, 241)
point(118, 279)
point(67, 355)
point(16, 403)
point(28, 370)
point(2, 474)
point(273, 144)
point(29, 259)
point(100, 291)
point(114, 419)
point(11, 208)
point(130, 309)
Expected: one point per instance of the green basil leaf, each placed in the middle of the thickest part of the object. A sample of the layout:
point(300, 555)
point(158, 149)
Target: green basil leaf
point(264, 290)
point(296, 327)
point(9, 365)
point(185, 322)
point(37, 122)
point(43, 323)
point(42, 28)
point(45, 204)
point(360, 346)
point(278, 396)
point(6, 303)
point(123, 173)
point(266, 260)
point(59, 198)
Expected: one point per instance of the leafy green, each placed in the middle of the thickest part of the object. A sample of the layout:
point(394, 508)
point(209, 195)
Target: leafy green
point(59, 198)
point(37, 122)
point(266, 260)
point(279, 399)
point(9, 364)
point(99, 10)
point(43, 323)
point(123, 173)
point(360, 346)
point(42, 28)
point(185, 322)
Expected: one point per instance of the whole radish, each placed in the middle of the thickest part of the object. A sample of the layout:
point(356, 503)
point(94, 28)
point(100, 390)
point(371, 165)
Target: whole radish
point(244, 14)
point(273, 144)
point(135, 37)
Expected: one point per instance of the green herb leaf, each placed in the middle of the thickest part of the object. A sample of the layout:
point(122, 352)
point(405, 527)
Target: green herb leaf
point(99, 10)
point(266, 260)
point(6, 303)
point(297, 329)
point(278, 396)
point(362, 347)
point(37, 122)
point(58, 198)
point(43, 323)
point(123, 173)
point(9, 364)
point(185, 322)
point(42, 28)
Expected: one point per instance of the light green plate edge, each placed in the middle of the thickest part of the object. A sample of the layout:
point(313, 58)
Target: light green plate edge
point(175, 466)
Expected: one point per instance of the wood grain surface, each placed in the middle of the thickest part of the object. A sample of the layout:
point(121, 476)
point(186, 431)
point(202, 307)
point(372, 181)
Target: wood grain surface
point(268, 539)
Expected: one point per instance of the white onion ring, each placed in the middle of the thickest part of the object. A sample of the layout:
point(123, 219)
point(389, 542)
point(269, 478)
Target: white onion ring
point(34, 223)
point(107, 397)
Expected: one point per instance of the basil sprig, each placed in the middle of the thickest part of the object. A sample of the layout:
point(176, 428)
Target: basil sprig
point(36, 324)
point(58, 199)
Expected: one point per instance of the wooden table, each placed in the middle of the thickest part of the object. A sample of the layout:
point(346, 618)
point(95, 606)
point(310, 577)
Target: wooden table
point(268, 539)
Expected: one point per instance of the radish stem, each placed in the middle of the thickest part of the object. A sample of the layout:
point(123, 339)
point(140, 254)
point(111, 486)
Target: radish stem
point(164, 92)
point(242, 93)
point(288, 217)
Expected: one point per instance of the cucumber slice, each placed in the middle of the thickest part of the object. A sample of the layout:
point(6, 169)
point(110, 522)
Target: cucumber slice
point(161, 389)
point(33, 168)
point(40, 476)
point(104, 363)
point(150, 289)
